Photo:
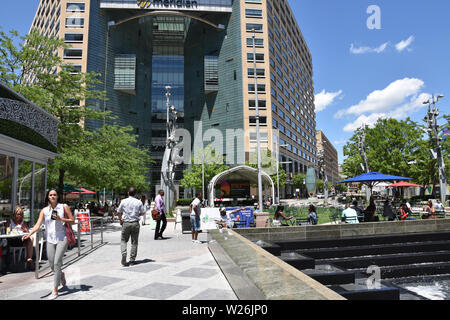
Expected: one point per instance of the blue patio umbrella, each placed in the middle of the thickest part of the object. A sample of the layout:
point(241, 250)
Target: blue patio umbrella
point(372, 178)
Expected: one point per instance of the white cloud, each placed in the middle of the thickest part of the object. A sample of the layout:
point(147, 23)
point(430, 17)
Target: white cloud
point(387, 99)
point(324, 99)
point(402, 45)
point(362, 50)
point(367, 120)
point(340, 142)
point(398, 100)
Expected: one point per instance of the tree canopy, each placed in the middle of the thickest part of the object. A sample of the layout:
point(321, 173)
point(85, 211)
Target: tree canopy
point(394, 147)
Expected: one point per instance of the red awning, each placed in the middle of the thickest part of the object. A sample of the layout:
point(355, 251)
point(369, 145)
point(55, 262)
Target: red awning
point(403, 184)
point(84, 191)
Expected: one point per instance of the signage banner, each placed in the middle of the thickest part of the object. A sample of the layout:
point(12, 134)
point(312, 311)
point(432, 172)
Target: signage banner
point(178, 5)
point(245, 215)
point(208, 217)
point(84, 219)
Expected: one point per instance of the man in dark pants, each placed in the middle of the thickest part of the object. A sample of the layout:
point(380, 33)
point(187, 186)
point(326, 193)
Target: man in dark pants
point(159, 205)
point(129, 212)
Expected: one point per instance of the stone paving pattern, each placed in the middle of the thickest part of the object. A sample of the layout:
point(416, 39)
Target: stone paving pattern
point(172, 269)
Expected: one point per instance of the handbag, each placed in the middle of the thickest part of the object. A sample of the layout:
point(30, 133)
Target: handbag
point(69, 232)
point(156, 215)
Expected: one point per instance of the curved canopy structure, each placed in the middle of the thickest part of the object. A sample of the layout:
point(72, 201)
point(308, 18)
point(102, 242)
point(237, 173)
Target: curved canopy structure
point(242, 173)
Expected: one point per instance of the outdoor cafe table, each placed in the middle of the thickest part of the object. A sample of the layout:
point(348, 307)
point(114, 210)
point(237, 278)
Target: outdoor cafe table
point(12, 236)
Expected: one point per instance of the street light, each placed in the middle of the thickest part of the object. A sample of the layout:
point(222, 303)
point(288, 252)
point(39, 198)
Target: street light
point(278, 168)
point(431, 120)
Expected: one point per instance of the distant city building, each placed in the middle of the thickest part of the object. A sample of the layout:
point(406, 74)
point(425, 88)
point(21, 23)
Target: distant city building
point(331, 157)
point(204, 50)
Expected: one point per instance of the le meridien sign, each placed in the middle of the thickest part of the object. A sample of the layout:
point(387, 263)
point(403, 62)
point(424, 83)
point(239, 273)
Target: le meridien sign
point(178, 5)
point(147, 4)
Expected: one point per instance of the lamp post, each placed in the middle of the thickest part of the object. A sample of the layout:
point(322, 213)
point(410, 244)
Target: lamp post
point(258, 147)
point(431, 120)
point(365, 165)
point(278, 169)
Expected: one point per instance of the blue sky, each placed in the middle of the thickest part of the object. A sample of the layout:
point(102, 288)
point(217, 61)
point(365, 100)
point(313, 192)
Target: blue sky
point(388, 72)
point(359, 74)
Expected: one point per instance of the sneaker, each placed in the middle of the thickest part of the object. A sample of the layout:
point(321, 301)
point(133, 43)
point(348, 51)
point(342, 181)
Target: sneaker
point(52, 296)
point(198, 242)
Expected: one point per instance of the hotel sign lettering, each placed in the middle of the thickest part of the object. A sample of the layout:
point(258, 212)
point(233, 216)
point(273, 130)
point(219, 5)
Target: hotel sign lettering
point(146, 4)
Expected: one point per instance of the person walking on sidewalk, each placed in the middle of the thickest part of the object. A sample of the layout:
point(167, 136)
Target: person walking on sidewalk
point(195, 208)
point(159, 205)
point(130, 211)
point(54, 215)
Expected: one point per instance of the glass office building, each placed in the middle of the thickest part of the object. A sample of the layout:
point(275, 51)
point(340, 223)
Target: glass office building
point(204, 50)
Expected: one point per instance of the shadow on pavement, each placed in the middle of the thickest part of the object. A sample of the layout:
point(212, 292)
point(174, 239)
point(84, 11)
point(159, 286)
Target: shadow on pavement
point(139, 262)
point(71, 290)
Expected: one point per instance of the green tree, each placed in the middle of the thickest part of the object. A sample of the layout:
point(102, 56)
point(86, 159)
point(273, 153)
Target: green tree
point(85, 157)
point(390, 147)
point(213, 165)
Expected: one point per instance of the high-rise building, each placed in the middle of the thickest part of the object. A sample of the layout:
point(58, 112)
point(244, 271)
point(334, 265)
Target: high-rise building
point(204, 50)
point(330, 157)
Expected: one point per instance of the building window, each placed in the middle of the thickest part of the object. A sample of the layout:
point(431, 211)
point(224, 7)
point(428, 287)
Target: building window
point(74, 68)
point(261, 88)
point(253, 1)
point(73, 53)
point(261, 104)
point(74, 22)
point(260, 72)
point(73, 37)
point(253, 13)
point(259, 42)
point(258, 27)
point(125, 73)
point(263, 137)
point(75, 7)
point(262, 121)
point(211, 74)
point(259, 57)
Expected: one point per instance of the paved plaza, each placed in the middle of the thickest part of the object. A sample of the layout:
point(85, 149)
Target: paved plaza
point(172, 269)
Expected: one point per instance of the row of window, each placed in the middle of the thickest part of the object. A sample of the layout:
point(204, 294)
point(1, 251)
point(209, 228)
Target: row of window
point(296, 151)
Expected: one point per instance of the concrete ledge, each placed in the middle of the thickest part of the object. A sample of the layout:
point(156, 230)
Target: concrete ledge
point(339, 231)
point(248, 267)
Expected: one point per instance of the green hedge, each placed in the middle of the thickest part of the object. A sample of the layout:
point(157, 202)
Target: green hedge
point(23, 133)
point(184, 202)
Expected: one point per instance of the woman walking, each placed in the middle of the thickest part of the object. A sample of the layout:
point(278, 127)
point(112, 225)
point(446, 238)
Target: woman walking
point(54, 215)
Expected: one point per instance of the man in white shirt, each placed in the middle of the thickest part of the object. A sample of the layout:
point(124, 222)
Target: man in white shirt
point(349, 215)
point(195, 208)
point(439, 206)
point(130, 210)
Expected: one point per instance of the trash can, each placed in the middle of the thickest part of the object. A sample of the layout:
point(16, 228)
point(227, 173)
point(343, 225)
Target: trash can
point(186, 222)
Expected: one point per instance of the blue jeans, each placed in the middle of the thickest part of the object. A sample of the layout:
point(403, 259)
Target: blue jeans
point(195, 223)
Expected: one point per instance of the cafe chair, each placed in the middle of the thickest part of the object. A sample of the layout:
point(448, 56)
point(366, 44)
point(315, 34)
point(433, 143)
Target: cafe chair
point(17, 253)
point(41, 245)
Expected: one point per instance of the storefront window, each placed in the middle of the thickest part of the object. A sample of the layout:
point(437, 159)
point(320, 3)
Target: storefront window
point(39, 191)
point(6, 179)
point(24, 180)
